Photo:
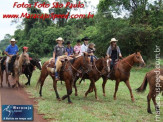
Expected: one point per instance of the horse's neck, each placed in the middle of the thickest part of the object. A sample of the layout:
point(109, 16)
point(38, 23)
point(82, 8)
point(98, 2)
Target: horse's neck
point(20, 61)
point(128, 62)
point(77, 63)
point(99, 64)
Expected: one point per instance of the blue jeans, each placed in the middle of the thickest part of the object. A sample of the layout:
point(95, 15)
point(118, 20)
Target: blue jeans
point(56, 73)
point(92, 57)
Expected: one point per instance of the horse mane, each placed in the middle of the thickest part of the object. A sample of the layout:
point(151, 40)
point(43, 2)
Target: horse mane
point(2, 63)
point(12, 63)
point(72, 60)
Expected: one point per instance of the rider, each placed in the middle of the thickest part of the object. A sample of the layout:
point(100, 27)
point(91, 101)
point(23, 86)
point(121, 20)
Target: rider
point(84, 46)
point(91, 51)
point(59, 50)
point(11, 50)
point(25, 50)
point(77, 48)
point(113, 52)
point(69, 49)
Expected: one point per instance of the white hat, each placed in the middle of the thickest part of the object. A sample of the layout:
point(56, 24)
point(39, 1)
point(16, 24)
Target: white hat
point(12, 40)
point(60, 39)
point(113, 40)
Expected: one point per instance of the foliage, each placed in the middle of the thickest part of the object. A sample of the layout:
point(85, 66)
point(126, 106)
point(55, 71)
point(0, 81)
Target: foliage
point(141, 30)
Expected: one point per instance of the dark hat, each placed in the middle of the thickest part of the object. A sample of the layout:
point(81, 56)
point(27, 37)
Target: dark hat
point(85, 38)
point(78, 41)
point(68, 42)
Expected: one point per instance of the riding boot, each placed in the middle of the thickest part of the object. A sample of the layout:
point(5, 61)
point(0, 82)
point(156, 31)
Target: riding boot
point(111, 70)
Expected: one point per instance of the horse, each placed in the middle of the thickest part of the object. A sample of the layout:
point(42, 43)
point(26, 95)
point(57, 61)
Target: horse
point(121, 72)
point(155, 80)
point(101, 67)
point(68, 73)
point(17, 62)
point(28, 69)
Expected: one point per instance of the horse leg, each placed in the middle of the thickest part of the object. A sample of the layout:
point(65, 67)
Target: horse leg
point(95, 90)
point(76, 91)
point(154, 102)
point(103, 84)
point(88, 91)
point(69, 91)
point(116, 88)
point(148, 100)
point(27, 78)
point(129, 87)
point(42, 80)
point(55, 89)
point(7, 81)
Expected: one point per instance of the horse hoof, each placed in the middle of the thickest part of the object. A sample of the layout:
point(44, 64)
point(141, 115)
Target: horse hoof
point(97, 99)
point(59, 99)
point(104, 95)
point(133, 100)
point(149, 111)
point(115, 98)
point(76, 94)
point(69, 102)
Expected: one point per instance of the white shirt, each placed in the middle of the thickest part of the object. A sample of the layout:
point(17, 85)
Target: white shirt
point(84, 48)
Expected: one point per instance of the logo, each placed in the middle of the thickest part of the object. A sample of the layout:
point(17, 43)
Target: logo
point(17, 112)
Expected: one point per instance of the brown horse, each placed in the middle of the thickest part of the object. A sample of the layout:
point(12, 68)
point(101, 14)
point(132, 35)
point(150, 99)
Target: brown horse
point(155, 80)
point(121, 72)
point(100, 68)
point(18, 62)
point(67, 74)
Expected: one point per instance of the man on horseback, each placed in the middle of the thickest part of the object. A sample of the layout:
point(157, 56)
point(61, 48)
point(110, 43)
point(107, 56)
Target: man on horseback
point(11, 50)
point(113, 52)
point(59, 50)
point(84, 46)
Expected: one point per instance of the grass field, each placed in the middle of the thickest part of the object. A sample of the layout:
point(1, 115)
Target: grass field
point(89, 109)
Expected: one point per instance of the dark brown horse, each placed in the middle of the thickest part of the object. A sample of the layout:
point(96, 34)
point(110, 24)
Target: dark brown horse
point(67, 74)
point(121, 72)
point(155, 80)
point(100, 68)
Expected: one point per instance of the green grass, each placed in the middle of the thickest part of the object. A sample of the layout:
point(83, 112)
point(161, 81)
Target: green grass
point(89, 109)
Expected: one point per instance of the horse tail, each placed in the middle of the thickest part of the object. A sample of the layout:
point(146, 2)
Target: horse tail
point(143, 86)
point(39, 81)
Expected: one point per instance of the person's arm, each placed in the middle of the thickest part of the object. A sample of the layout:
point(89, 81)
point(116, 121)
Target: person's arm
point(82, 49)
point(54, 52)
point(120, 55)
point(6, 51)
point(108, 52)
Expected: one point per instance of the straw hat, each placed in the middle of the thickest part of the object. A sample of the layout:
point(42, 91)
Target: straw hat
point(113, 40)
point(13, 40)
point(60, 39)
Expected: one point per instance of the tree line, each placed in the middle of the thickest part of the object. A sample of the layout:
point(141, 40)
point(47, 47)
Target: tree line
point(141, 30)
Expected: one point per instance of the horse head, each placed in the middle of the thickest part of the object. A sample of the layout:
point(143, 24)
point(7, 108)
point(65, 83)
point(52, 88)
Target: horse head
point(106, 65)
point(86, 63)
point(138, 59)
point(24, 58)
point(38, 63)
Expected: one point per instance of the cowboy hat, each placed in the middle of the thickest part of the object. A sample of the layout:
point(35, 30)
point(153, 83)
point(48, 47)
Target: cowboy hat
point(85, 39)
point(60, 39)
point(13, 40)
point(113, 40)
point(68, 42)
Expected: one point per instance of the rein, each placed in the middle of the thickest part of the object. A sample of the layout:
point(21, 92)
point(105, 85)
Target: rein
point(74, 68)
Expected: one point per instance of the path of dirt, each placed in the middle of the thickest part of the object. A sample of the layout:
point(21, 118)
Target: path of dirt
point(18, 96)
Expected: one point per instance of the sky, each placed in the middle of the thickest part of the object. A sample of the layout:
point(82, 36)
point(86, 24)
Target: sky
point(6, 27)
